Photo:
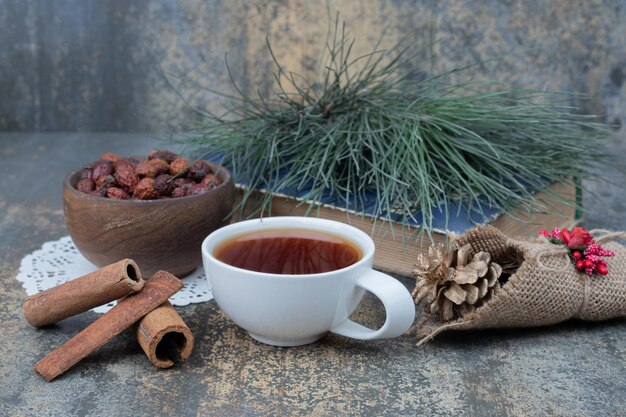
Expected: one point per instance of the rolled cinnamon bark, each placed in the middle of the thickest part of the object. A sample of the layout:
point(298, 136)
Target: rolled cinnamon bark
point(128, 311)
point(107, 284)
point(164, 336)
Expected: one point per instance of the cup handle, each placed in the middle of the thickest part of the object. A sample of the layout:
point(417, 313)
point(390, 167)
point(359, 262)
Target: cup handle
point(398, 304)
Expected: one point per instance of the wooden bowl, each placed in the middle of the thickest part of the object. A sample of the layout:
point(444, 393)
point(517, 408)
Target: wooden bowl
point(157, 234)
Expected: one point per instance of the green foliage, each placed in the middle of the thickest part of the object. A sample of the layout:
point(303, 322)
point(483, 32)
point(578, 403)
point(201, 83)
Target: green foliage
point(378, 123)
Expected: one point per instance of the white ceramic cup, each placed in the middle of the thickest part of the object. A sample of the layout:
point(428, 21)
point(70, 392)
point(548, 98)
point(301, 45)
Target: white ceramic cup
point(293, 310)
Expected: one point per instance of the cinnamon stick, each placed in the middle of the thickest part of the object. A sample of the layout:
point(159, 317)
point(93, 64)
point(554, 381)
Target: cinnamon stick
point(107, 284)
point(164, 336)
point(128, 311)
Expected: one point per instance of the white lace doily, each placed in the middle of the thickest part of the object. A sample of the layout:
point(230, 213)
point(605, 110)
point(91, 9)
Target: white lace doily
point(59, 261)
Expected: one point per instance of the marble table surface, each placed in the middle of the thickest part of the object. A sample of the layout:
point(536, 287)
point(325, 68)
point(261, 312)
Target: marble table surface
point(571, 369)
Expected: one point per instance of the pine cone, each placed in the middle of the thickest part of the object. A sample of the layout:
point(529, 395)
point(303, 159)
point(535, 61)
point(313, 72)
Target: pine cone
point(451, 283)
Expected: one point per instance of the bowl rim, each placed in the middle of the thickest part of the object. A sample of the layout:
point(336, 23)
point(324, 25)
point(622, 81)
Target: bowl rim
point(227, 180)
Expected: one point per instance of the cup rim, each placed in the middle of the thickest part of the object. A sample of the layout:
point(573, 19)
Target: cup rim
point(364, 243)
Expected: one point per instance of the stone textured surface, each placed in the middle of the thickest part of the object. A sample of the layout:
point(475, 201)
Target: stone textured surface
point(100, 65)
point(573, 369)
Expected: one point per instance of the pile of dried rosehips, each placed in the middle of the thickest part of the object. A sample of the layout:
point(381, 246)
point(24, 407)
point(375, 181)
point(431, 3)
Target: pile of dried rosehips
point(162, 175)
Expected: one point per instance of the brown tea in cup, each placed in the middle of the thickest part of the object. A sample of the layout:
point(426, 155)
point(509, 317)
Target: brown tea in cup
point(288, 251)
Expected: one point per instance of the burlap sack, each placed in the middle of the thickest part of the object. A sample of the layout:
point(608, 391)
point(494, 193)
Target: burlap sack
point(546, 289)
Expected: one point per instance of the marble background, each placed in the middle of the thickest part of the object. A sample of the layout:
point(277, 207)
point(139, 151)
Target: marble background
point(89, 65)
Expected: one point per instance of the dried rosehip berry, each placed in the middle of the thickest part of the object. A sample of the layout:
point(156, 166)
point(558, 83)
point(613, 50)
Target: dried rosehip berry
point(126, 177)
point(85, 174)
point(161, 166)
point(85, 185)
point(101, 168)
point(177, 166)
point(117, 193)
point(167, 156)
point(198, 170)
point(181, 182)
point(110, 156)
point(144, 190)
point(163, 185)
point(179, 192)
point(104, 181)
point(197, 189)
point(211, 181)
point(124, 161)
point(146, 169)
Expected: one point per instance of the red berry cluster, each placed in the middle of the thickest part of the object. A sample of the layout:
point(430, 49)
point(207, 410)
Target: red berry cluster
point(586, 254)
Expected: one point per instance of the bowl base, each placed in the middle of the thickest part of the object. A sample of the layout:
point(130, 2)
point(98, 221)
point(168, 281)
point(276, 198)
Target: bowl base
point(186, 272)
point(286, 342)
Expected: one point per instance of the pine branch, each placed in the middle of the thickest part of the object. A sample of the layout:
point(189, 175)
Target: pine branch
point(417, 141)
